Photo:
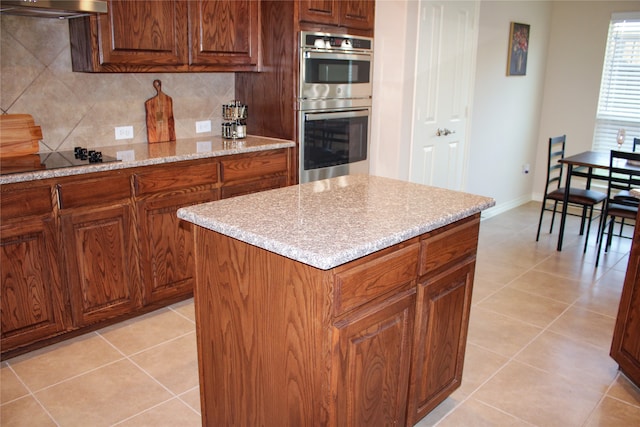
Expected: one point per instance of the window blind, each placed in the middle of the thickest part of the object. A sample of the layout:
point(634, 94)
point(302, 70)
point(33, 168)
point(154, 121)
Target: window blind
point(619, 102)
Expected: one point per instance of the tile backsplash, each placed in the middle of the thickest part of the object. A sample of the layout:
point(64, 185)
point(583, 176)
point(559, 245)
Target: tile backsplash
point(84, 108)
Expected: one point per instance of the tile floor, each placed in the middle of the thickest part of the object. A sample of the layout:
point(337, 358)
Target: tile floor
point(537, 354)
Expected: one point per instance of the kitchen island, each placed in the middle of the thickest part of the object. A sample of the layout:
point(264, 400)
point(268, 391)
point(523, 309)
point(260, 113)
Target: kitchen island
point(337, 302)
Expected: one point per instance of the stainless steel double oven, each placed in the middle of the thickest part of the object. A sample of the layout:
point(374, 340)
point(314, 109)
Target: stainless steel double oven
point(334, 104)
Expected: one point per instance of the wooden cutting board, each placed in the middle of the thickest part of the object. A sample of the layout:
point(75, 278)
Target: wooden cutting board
point(19, 135)
point(159, 109)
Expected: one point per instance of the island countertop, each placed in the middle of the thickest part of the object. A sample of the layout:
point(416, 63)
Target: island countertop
point(331, 222)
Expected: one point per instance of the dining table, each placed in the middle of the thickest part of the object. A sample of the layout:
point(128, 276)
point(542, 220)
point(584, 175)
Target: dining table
point(592, 161)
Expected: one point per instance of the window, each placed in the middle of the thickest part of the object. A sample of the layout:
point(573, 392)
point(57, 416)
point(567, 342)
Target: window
point(619, 104)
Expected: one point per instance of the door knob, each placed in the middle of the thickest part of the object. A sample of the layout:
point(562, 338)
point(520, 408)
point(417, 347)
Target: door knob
point(444, 132)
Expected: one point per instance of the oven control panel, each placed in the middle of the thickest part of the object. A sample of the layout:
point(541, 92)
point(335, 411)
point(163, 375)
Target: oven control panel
point(335, 42)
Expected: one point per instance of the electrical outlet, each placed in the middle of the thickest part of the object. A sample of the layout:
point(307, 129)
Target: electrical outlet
point(203, 126)
point(525, 168)
point(124, 132)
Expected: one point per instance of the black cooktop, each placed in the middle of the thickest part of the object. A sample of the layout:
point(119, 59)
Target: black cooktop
point(54, 160)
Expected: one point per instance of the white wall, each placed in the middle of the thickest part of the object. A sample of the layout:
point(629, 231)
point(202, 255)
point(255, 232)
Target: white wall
point(574, 70)
point(506, 109)
point(393, 71)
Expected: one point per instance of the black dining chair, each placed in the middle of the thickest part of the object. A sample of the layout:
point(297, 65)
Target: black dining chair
point(624, 174)
point(636, 143)
point(584, 198)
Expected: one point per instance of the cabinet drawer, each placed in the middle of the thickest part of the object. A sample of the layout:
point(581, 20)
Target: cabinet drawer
point(94, 191)
point(29, 201)
point(173, 177)
point(373, 279)
point(455, 242)
point(254, 186)
point(254, 166)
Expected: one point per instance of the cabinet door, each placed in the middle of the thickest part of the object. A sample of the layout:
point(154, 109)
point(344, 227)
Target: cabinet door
point(442, 320)
point(167, 258)
point(224, 33)
point(357, 14)
point(319, 11)
point(143, 32)
point(31, 300)
point(101, 262)
point(371, 363)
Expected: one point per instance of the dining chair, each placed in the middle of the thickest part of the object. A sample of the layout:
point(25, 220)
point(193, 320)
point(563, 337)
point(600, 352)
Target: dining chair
point(584, 198)
point(636, 143)
point(624, 174)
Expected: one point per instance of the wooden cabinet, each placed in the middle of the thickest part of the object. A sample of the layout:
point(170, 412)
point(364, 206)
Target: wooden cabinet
point(447, 265)
point(354, 14)
point(625, 347)
point(99, 243)
point(223, 33)
point(80, 251)
point(166, 243)
point(378, 341)
point(32, 298)
point(167, 36)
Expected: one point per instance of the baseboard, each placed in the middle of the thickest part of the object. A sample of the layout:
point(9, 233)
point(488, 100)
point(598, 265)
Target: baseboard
point(503, 207)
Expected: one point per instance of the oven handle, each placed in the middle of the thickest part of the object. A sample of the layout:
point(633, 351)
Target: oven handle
point(341, 56)
point(337, 115)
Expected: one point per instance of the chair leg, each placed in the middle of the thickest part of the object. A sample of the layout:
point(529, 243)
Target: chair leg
point(621, 226)
point(553, 216)
point(586, 239)
point(601, 229)
point(544, 203)
point(582, 221)
point(610, 234)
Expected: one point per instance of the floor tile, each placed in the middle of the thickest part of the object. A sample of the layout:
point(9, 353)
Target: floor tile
point(192, 398)
point(479, 414)
point(168, 414)
point(11, 387)
point(550, 286)
point(186, 308)
point(103, 397)
point(538, 397)
point(578, 361)
point(479, 365)
point(498, 333)
point(25, 412)
point(623, 389)
point(64, 360)
point(585, 325)
point(182, 373)
point(143, 332)
point(529, 308)
point(614, 413)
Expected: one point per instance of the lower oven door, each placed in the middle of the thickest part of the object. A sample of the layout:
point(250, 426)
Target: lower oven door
point(334, 143)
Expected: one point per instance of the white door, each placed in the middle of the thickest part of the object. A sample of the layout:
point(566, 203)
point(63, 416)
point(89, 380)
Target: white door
point(445, 65)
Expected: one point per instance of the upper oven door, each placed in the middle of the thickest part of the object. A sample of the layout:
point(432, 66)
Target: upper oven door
point(333, 75)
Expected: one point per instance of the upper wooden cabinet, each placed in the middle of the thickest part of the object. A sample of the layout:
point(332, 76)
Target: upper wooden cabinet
point(166, 36)
point(358, 14)
point(223, 32)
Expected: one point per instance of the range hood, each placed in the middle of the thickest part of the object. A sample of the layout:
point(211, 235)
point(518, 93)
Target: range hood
point(53, 8)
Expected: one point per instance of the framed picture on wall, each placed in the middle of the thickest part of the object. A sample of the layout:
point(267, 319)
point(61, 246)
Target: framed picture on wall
point(518, 49)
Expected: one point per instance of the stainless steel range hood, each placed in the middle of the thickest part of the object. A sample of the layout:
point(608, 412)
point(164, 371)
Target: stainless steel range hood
point(52, 8)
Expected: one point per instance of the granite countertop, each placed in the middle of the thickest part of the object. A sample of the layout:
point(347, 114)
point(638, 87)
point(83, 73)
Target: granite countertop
point(143, 154)
point(331, 222)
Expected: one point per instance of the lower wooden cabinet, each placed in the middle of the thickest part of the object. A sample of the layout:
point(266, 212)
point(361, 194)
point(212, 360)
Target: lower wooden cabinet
point(80, 251)
point(166, 245)
point(32, 297)
point(625, 347)
point(99, 250)
point(443, 305)
point(371, 374)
